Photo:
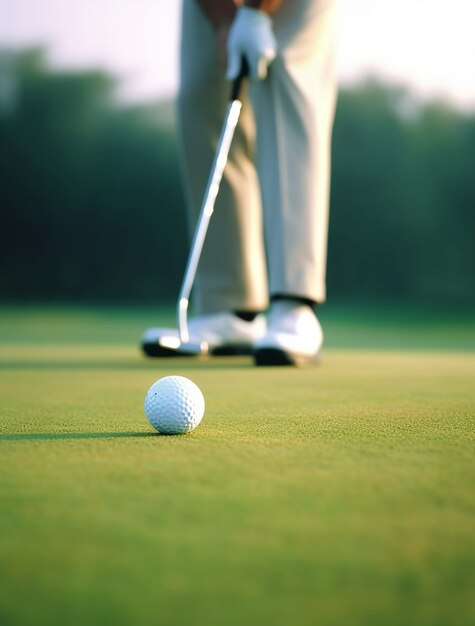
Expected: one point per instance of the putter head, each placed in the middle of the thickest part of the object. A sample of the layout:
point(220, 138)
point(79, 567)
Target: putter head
point(163, 342)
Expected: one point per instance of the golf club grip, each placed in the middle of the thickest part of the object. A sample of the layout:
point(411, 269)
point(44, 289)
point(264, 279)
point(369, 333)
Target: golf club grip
point(237, 82)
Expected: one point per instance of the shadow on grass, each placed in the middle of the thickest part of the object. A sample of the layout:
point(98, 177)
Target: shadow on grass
point(54, 436)
point(165, 364)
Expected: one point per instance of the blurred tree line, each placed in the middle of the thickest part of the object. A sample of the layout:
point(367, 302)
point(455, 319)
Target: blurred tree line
point(92, 204)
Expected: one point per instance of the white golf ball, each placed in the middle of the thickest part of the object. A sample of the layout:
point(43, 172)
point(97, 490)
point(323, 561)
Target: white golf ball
point(174, 405)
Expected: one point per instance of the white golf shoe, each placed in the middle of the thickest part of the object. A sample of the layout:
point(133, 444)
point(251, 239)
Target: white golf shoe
point(294, 336)
point(225, 334)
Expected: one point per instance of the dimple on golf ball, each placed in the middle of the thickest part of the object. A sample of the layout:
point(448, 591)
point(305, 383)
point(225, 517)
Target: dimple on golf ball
point(174, 405)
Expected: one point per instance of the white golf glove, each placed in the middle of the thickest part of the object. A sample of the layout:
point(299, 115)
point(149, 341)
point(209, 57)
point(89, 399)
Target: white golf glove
point(251, 36)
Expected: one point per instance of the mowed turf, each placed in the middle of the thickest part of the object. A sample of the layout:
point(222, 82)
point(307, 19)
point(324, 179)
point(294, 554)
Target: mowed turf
point(342, 494)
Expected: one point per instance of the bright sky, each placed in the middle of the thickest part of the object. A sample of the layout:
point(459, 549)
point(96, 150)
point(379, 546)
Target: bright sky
point(426, 44)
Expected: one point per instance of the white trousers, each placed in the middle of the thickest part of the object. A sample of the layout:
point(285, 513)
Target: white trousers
point(268, 234)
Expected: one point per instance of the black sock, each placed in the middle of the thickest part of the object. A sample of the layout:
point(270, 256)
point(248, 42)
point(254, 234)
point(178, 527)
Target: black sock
point(247, 316)
point(299, 299)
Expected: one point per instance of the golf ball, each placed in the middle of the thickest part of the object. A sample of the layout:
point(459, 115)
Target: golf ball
point(174, 405)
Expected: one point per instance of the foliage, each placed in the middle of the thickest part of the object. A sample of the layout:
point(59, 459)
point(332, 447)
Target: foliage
point(402, 198)
point(91, 191)
point(92, 203)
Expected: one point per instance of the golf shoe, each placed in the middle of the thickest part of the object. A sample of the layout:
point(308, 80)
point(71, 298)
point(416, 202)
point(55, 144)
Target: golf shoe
point(225, 334)
point(294, 336)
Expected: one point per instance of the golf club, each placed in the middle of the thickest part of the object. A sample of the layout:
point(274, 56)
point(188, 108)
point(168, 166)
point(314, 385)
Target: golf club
point(180, 344)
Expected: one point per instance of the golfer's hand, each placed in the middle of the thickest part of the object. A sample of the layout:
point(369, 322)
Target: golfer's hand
point(251, 36)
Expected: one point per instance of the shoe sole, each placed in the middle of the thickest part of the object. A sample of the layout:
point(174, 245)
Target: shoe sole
point(275, 357)
point(156, 351)
point(231, 350)
point(262, 357)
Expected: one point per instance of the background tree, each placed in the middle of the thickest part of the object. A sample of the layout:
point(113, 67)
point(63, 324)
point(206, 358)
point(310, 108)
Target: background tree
point(92, 205)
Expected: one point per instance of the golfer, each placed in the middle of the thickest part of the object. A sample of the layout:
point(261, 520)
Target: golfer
point(262, 270)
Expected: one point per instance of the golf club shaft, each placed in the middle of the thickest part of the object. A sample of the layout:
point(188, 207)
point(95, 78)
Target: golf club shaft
point(207, 207)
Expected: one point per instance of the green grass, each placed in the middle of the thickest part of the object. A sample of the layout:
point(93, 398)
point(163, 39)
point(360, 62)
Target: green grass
point(342, 494)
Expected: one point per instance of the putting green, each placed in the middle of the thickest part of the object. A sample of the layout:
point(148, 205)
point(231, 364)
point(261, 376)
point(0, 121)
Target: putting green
point(342, 494)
